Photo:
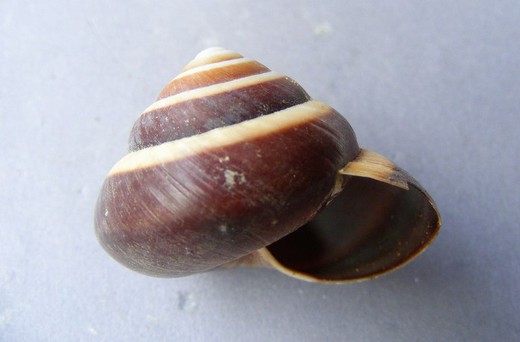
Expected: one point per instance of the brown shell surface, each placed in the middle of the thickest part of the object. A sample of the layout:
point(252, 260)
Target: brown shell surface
point(224, 163)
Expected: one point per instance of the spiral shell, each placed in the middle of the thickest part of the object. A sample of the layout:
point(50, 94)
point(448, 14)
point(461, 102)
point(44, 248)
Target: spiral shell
point(204, 184)
point(233, 157)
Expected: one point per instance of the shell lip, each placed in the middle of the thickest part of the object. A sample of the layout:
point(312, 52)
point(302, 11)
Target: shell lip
point(419, 225)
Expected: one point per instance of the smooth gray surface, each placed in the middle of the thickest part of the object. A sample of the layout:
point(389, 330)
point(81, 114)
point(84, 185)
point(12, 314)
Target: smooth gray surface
point(434, 85)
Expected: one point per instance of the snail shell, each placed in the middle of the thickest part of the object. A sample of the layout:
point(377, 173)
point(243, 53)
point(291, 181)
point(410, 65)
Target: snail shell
point(236, 165)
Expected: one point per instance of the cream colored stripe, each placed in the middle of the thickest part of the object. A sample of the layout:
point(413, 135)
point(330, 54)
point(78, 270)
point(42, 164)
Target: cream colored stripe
point(214, 89)
point(373, 165)
point(217, 65)
point(210, 55)
point(220, 137)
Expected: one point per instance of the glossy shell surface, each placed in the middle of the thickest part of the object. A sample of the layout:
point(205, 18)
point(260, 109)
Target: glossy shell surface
point(229, 159)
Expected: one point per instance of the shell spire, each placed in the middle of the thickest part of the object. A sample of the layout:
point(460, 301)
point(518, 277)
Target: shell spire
point(212, 55)
point(217, 89)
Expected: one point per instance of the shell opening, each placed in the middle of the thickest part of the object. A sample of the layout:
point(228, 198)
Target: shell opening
point(370, 228)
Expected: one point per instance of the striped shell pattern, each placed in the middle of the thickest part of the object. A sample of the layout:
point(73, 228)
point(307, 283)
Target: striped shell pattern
point(229, 159)
point(235, 164)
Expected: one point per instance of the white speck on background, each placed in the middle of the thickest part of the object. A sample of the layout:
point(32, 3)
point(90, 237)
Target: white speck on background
point(92, 331)
point(323, 29)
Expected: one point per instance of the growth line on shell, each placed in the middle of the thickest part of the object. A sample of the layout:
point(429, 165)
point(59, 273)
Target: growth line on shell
point(224, 136)
point(214, 89)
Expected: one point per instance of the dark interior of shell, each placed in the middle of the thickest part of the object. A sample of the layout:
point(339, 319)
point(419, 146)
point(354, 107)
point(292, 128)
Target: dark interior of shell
point(369, 229)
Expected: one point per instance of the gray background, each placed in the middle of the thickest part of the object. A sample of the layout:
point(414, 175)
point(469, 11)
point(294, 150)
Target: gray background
point(434, 85)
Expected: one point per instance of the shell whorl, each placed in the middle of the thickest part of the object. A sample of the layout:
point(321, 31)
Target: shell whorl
point(218, 89)
point(230, 158)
